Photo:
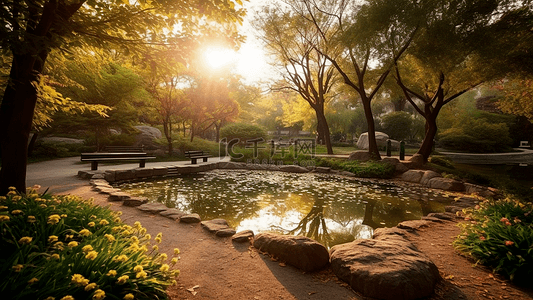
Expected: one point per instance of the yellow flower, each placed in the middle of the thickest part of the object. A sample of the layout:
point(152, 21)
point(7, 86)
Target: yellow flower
point(155, 247)
point(3, 207)
point(141, 275)
point(142, 231)
point(73, 244)
point(110, 238)
point(36, 187)
point(16, 212)
point(91, 255)
point(91, 224)
point(138, 268)
point(25, 240)
point(164, 268)
point(175, 273)
point(59, 245)
point(93, 217)
point(137, 225)
point(99, 294)
point(33, 280)
point(68, 297)
point(55, 256)
point(32, 219)
point(12, 188)
point(112, 273)
point(163, 256)
point(53, 219)
point(174, 261)
point(176, 251)
point(159, 235)
point(147, 236)
point(43, 206)
point(63, 215)
point(143, 248)
point(134, 239)
point(117, 220)
point(85, 232)
point(17, 268)
point(158, 240)
point(87, 248)
point(79, 280)
point(129, 297)
point(52, 238)
point(50, 298)
point(90, 286)
point(4, 218)
point(11, 193)
point(116, 228)
point(134, 247)
point(122, 258)
point(126, 233)
point(16, 198)
point(123, 279)
point(104, 222)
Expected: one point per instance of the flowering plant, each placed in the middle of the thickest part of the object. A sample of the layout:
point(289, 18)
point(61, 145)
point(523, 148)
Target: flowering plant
point(499, 234)
point(63, 247)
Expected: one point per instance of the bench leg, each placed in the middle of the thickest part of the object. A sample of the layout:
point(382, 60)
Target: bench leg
point(142, 163)
point(94, 165)
point(205, 159)
point(193, 161)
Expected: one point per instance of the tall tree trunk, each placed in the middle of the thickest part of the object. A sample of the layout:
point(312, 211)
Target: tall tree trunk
point(16, 114)
point(372, 143)
point(427, 145)
point(321, 118)
point(217, 129)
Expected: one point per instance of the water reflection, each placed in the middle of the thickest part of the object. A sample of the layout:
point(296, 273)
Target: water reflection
point(326, 208)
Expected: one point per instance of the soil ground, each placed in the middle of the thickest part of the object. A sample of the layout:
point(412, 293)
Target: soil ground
point(216, 268)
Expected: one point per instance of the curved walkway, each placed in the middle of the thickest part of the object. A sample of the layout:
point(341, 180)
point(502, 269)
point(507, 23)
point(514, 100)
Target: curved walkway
point(60, 175)
point(522, 156)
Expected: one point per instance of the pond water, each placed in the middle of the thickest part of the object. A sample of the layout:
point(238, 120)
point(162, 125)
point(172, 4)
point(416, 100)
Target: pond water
point(329, 209)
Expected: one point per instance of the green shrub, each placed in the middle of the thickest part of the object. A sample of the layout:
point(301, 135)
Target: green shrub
point(478, 136)
point(242, 131)
point(499, 234)
point(442, 161)
point(370, 169)
point(53, 247)
point(397, 125)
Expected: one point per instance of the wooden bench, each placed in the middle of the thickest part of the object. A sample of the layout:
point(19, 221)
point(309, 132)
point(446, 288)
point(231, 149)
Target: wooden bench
point(94, 158)
point(196, 154)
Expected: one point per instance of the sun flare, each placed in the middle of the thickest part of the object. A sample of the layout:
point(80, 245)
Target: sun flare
point(219, 57)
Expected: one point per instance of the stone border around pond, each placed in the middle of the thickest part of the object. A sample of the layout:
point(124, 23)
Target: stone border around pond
point(388, 250)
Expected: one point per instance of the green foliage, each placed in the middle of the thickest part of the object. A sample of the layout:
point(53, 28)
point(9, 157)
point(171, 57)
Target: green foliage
point(242, 131)
point(499, 234)
point(57, 246)
point(49, 150)
point(477, 135)
point(441, 161)
point(369, 169)
point(401, 125)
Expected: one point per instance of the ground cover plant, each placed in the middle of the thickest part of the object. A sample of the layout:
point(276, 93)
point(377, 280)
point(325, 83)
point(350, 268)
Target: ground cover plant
point(499, 234)
point(65, 248)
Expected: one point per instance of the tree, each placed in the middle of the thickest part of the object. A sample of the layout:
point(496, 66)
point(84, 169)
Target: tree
point(448, 56)
point(293, 41)
point(31, 31)
point(362, 34)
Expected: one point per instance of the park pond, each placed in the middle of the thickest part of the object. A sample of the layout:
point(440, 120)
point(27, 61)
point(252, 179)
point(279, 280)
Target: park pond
point(330, 209)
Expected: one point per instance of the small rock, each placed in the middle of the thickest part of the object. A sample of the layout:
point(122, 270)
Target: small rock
point(134, 201)
point(118, 196)
point(322, 170)
point(98, 176)
point(433, 219)
point(428, 175)
point(413, 224)
point(443, 216)
point(192, 218)
point(243, 236)
point(360, 156)
point(293, 169)
point(412, 176)
point(153, 207)
point(215, 225)
point(171, 212)
point(225, 232)
point(298, 251)
point(446, 184)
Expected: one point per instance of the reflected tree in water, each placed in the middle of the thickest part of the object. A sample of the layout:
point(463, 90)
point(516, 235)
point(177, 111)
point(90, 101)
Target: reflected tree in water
point(313, 225)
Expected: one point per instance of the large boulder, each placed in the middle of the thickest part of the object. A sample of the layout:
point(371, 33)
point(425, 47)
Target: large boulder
point(147, 136)
point(298, 251)
point(413, 176)
point(381, 140)
point(385, 268)
point(446, 184)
